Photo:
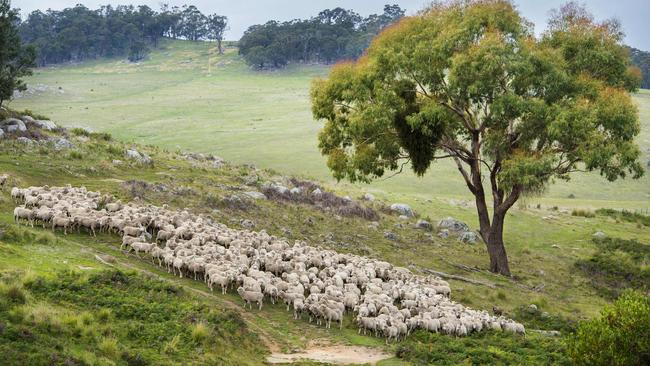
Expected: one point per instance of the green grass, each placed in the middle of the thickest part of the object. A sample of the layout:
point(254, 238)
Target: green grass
point(187, 97)
point(172, 102)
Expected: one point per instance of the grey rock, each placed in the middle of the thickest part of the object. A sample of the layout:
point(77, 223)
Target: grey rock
point(390, 235)
point(402, 208)
point(532, 308)
point(453, 225)
point(599, 235)
point(317, 192)
point(27, 119)
point(13, 124)
point(347, 199)
point(374, 225)
point(2, 134)
point(62, 143)
point(278, 188)
point(468, 237)
point(141, 158)
point(444, 233)
point(26, 141)
point(423, 224)
point(248, 224)
point(255, 195)
point(368, 197)
point(295, 190)
point(117, 162)
point(403, 217)
point(45, 125)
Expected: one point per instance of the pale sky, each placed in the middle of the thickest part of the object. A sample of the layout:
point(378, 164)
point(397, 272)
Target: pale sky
point(633, 14)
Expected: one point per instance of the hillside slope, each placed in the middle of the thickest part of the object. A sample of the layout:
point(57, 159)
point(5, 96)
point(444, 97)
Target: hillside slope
point(188, 97)
point(545, 260)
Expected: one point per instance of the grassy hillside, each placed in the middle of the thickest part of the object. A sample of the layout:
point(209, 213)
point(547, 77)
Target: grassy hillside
point(556, 264)
point(187, 97)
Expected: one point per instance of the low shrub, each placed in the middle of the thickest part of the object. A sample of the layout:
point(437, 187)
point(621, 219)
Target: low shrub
point(200, 332)
point(76, 155)
point(583, 213)
point(618, 264)
point(618, 337)
point(625, 216)
point(77, 131)
point(109, 347)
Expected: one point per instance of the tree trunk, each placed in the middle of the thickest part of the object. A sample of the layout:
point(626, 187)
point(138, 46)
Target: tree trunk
point(495, 247)
point(219, 46)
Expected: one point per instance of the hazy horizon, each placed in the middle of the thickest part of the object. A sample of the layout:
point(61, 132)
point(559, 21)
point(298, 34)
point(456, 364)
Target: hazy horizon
point(243, 14)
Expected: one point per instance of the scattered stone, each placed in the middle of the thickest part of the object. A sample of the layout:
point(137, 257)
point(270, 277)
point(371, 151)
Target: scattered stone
point(532, 308)
point(347, 199)
point(2, 134)
point(468, 237)
point(248, 224)
point(278, 188)
point(255, 195)
point(44, 124)
point(390, 235)
point(555, 246)
point(368, 197)
point(141, 158)
point(423, 224)
point(251, 180)
point(373, 225)
point(402, 208)
point(26, 141)
point(599, 235)
point(295, 190)
point(547, 333)
point(317, 192)
point(62, 143)
point(27, 119)
point(444, 233)
point(454, 225)
point(13, 124)
point(117, 162)
point(403, 217)
point(545, 315)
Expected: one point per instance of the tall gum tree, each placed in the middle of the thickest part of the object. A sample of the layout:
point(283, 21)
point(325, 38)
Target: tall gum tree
point(470, 82)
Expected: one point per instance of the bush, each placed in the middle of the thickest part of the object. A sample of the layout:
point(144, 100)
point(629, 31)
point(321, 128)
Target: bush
point(200, 332)
point(77, 155)
point(583, 213)
point(618, 264)
point(109, 347)
point(618, 337)
point(625, 216)
point(77, 131)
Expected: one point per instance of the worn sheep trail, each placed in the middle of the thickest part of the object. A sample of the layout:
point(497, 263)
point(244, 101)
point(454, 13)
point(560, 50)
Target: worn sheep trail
point(315, 284)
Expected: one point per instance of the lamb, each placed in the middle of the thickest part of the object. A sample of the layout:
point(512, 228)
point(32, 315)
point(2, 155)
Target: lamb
point(251, 296)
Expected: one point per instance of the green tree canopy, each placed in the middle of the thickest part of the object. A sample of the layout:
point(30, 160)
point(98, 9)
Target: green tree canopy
point(16, 60)
point(469, 81)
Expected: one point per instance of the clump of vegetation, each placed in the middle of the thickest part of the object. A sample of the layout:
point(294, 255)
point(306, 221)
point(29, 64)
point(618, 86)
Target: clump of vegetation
point(538, 319)
point(76, 155)
point(618, 264)
point(583, 213)
point(484, 348)
point(625, 216)
point(75, 318)
point(618, 337)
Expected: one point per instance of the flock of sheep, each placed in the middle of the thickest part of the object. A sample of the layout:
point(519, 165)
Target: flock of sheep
point(322, 284)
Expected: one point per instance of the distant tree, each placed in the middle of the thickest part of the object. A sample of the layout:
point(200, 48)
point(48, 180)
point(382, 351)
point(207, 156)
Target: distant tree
point(217, 26)
point(332, 35)
point(138, 52)
point(16, 60)
point(470, 82)
point(193, 23)
point(618, 337)
point(641, 59)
